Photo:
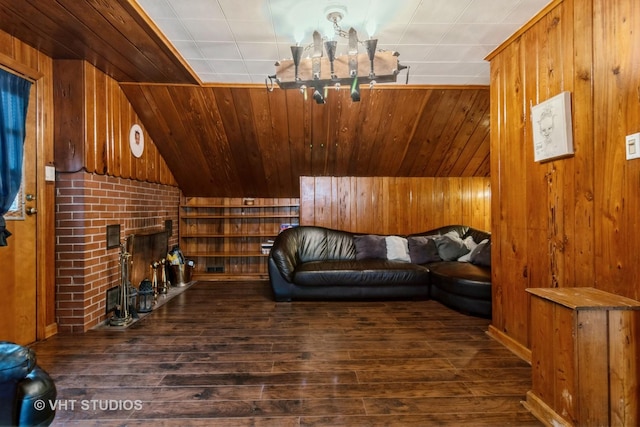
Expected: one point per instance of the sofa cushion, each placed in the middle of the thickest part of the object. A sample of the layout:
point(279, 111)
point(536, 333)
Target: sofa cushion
point(370, 246)
point(397, 249)
point(471, 245)
point(422, 249)
point(368, 272)
point(451, 246)
point(481, 255)
point(460, 271)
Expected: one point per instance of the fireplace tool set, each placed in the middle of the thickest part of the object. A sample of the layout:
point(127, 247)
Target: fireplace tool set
point(122, 315)
point(161, 287)
point(148, 292)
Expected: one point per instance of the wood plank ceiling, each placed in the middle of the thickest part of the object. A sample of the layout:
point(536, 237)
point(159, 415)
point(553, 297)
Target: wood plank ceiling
point(111, 35)
point(243, 141)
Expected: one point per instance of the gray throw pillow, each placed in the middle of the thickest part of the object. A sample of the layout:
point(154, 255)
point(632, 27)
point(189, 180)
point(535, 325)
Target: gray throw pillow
point(423, 250)
point(450, 249)
point(481, 255)
point(370, 246)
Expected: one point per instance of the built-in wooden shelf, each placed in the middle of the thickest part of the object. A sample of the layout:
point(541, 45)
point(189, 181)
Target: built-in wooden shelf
point(225, 236)
point(252, 236)
point(204, 216)
point(227, 255)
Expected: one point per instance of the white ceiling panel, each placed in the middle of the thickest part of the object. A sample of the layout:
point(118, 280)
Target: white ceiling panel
point(192, 9)
point(252, 31)
point(228, 66)
point(189, 49)
point(220, 50)
point(259, 51)
point(458, 53)
point(487, 11)
point(201, 66)
point(444, 41)
point(208, 30)
point(174, 30)
point(261, 68)
point(439, 11)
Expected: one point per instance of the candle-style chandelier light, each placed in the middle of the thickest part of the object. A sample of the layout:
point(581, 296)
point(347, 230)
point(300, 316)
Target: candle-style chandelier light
point(319, 73)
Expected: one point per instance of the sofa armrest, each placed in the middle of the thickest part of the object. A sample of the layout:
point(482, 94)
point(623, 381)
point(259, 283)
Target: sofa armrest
point(284, 253)
point(282, 288)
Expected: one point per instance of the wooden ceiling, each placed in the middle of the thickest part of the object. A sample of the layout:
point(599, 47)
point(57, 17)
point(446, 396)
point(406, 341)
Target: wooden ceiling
point(243, 141)
point(111, 35)
point(248, 142)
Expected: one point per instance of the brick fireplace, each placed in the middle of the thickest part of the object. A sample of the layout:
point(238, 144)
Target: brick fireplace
point(85, 204)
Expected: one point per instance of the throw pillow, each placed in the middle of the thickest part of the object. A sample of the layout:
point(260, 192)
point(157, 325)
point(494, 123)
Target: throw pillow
point(370, 246)
point(481, 255)
point(450, 248)
point(471, 245)
point(423, 250)
point(397, 249)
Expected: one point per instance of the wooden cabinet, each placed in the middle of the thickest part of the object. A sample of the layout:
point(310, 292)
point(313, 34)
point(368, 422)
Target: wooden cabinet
point(584, 357)
point(229, 238)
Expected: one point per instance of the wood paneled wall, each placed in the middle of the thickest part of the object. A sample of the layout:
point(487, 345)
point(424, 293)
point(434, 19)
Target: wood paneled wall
point(388, 205)
point(93, 120)
point(570, 222)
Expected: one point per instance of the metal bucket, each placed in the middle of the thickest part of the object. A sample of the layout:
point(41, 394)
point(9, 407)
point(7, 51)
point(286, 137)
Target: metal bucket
point(180, 274)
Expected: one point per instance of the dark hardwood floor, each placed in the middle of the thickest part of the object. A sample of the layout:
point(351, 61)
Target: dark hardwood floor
point(225, 354)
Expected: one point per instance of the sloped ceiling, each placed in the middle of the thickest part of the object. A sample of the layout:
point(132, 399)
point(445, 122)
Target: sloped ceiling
point(248, 142)
point(226, 140)
point(111, 35)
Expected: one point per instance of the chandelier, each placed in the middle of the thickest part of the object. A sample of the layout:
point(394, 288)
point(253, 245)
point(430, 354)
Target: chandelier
point(319, 73)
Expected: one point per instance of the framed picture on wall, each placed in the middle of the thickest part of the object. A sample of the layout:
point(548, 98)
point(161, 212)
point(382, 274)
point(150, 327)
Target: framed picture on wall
point(552, 129)
point(136, 140)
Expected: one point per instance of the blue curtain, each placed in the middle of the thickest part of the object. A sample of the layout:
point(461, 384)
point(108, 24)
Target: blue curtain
point(14, 101)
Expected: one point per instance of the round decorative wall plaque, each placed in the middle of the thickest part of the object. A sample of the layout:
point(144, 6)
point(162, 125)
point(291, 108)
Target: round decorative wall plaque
point(136, 140)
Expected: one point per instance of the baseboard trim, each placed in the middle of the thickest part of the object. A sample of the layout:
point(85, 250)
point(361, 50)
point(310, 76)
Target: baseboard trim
point(50, 330)
point(514, 346)
point(543, 412)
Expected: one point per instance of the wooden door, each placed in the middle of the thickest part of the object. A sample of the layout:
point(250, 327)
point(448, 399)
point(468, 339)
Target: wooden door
point(18, 260)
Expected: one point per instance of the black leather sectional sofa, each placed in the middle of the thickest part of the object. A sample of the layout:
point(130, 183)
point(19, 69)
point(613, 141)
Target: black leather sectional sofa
point(309, 262)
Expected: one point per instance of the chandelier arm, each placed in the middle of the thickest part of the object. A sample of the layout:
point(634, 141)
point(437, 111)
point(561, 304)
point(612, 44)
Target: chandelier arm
point(267, 80)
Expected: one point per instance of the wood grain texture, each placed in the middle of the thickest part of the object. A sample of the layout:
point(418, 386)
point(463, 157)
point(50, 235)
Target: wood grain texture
point(623, 360)
point(584, 366)
point(92, 132)
point(224, 354)
point(17, 57)
point(247, 142)
point(388, 205)
point(571, 222)
point(114, 36)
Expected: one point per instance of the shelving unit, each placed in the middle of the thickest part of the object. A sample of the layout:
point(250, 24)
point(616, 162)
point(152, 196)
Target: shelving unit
point(225, 236)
